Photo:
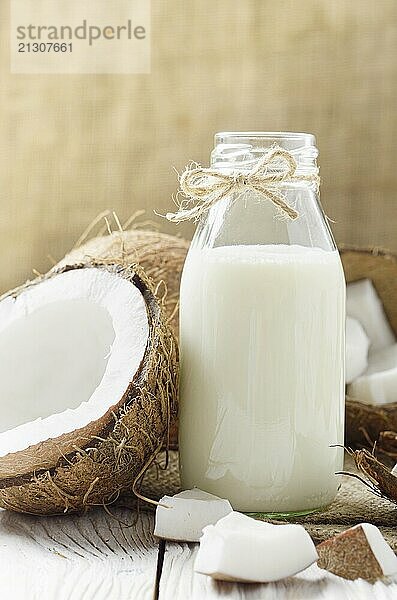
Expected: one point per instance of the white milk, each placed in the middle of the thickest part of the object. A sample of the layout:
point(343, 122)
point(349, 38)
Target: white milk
point(262, 375)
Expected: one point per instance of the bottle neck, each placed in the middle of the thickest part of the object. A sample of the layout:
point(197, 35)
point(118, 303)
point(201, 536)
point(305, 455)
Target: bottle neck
point(240, 151)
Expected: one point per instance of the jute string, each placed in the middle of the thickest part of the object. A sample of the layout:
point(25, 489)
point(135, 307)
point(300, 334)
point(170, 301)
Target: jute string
point(202, 188)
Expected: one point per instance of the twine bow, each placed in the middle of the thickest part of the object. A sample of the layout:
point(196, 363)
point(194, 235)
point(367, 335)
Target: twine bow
point(202, 188)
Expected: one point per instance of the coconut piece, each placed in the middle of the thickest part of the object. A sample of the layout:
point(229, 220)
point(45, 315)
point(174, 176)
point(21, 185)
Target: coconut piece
point(376, 388)
point(88, 381)
point(239, 548)
point(359, 552)
point(394, 470)
point(380, 266)
point(364, 304)
point(382, 360)
point(378, 385)
point(357, 344)
point(182, 517)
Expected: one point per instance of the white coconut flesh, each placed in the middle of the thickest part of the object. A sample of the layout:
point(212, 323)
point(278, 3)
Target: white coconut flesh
point(380, 548)
point(69, 347)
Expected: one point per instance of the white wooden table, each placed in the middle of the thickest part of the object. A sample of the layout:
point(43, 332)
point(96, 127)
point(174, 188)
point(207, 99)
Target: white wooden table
point(98, 557)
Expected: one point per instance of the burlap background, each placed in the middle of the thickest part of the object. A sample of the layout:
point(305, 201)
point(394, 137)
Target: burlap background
point(71, 146)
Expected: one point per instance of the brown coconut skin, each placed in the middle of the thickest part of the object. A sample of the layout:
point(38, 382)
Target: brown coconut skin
point(382, 481)
point(93, 465)
point(364, 422)
point(349, 555)
point(387, 445)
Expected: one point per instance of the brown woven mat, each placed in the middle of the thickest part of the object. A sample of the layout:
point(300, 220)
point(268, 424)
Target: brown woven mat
point(353, 504)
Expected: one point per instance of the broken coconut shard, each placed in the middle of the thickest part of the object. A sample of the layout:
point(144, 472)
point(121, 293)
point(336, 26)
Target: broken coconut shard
point(239, 548)
point(379, 479)
point(357, 344)
point(378, 384)
point(371, 349)
point(359, 552)
point(182, 517)
point(364, 304)
point(89, 369)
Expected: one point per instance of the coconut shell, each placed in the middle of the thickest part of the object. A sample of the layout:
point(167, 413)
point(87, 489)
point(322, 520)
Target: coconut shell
point(387, 444)
point(364, 422)
point(93, 465)
point(349, 555)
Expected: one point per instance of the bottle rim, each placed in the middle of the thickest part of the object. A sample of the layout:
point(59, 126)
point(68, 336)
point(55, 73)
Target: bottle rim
point(292, 137)
point(242, 148)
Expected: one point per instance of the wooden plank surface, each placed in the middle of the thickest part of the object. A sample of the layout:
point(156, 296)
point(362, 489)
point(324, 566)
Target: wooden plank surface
point(99, 557)
point(77, 558)
point(180, 582)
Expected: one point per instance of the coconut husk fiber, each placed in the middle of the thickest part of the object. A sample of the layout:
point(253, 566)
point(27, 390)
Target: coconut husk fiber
point(354, 504)
point(364, 422)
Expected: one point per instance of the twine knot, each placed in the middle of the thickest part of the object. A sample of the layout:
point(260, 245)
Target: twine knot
point(202, 188)
point(240, 179)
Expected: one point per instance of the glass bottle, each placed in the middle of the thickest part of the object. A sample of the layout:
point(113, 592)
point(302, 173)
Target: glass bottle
point(262, 317)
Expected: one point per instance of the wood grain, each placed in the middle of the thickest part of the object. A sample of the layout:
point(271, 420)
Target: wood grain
point(96, 556)
point(180, 582)
point(77, 558)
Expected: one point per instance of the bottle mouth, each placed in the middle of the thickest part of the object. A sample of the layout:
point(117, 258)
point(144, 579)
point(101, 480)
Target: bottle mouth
point(241, 149)
point(289, 140)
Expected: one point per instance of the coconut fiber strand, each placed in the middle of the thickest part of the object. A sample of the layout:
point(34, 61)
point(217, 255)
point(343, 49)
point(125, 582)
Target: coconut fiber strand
point(354, 504)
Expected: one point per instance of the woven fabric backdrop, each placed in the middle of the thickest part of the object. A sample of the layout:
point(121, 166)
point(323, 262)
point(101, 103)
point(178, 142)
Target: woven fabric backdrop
point(71, 146)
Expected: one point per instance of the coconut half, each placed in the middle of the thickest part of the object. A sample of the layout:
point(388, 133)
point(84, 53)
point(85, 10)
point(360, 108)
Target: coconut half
point(88, 382)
